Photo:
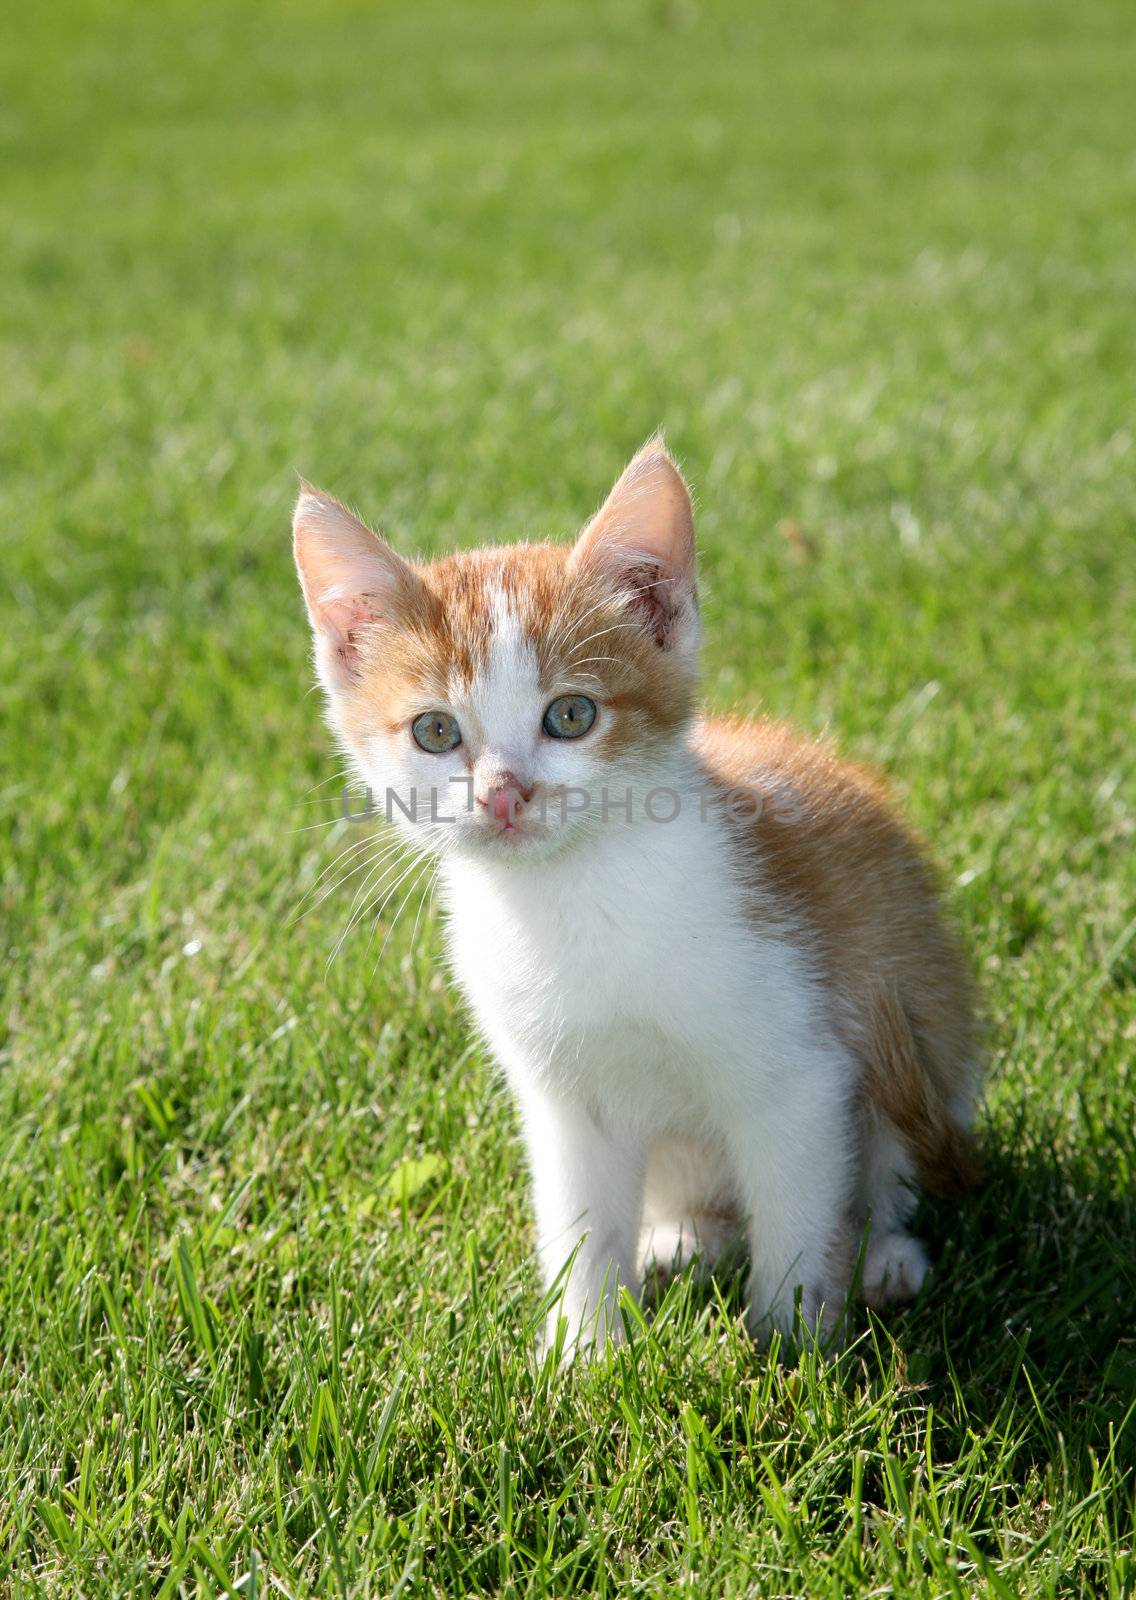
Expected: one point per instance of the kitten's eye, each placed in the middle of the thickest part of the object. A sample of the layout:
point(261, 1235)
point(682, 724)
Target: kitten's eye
point(569, 717)
point(436, 731)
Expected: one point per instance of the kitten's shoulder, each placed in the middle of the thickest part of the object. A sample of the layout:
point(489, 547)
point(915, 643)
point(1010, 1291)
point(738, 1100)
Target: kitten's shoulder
point(829, 838)
point(795, 776)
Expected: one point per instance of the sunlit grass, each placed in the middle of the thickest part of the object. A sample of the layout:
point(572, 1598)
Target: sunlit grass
point(266, 1304)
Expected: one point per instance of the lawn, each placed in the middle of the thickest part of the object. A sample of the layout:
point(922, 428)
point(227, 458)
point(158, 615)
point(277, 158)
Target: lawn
point(266, 1301)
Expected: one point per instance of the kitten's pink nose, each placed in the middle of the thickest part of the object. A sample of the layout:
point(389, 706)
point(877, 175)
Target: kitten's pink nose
point(506, 805)
point(505, 799)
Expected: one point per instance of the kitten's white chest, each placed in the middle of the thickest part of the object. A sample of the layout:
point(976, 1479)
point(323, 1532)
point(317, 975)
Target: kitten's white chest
point(617, 977)
point(556, 949)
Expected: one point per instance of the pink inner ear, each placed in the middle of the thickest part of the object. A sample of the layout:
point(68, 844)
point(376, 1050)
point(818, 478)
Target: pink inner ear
point(346, 615)
point(342, 621)
point(653, 594)
point(645, 520)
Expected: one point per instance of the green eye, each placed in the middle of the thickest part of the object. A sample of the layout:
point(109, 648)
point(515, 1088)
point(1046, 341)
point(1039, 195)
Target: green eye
point(436, 731)
point(569, 717)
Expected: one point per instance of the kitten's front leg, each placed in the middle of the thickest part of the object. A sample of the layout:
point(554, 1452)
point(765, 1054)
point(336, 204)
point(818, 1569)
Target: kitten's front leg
point(588, 1192)
point(791, 1153)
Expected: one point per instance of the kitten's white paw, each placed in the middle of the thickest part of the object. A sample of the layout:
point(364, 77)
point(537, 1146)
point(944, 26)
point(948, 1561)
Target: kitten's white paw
point(895, 1267)
point(709, 1241)
point(667, 1249)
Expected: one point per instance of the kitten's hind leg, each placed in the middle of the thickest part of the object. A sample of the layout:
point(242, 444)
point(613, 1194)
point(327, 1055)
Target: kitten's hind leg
point(689, 1215)
point(706, 1241)
point(895, 1262)
point(912, 1130)
point(895, 1268)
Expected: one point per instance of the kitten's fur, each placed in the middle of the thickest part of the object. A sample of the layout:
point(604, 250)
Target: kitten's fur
point(723, 1021)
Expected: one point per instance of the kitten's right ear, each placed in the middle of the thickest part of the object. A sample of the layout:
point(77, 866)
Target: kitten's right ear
point(351, 580)
point(642, 539)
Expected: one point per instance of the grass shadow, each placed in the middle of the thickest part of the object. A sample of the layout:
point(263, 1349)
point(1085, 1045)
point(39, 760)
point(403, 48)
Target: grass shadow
point(1025, 1327)
point(1030, 1310)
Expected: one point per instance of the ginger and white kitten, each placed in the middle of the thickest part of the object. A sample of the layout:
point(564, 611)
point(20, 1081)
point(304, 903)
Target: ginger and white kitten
point(706, 953)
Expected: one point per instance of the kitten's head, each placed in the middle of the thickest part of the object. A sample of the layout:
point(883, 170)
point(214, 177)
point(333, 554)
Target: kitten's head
point(509, 688)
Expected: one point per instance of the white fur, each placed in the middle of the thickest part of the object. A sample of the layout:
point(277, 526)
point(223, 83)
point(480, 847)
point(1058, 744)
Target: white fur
point(499, 704)
point(895, 1267)
point(895, 1263)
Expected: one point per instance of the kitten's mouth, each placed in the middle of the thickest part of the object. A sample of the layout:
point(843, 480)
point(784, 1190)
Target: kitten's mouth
point(524, 836)
point(512, 835)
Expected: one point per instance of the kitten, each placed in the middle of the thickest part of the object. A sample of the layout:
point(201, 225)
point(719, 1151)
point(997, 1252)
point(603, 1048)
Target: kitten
point(707, 955)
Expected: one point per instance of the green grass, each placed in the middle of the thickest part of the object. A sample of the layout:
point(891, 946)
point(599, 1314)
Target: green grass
point(873, 267)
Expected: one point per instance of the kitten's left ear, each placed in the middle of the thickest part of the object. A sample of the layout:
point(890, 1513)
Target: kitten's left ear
point(642, 538)
point(352, 580)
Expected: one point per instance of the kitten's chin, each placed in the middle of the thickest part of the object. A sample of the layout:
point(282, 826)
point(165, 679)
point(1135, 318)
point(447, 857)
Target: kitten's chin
point(526, 842)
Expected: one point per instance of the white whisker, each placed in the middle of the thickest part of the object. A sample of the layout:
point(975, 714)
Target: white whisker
point(616, 627)
point(335, 777)
point(369, 861)
point(613, 659)
point(383, 846)
point(426, 896)
point(382, 868)
point(311, 827)
point(619, 597)
point(403, 903)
